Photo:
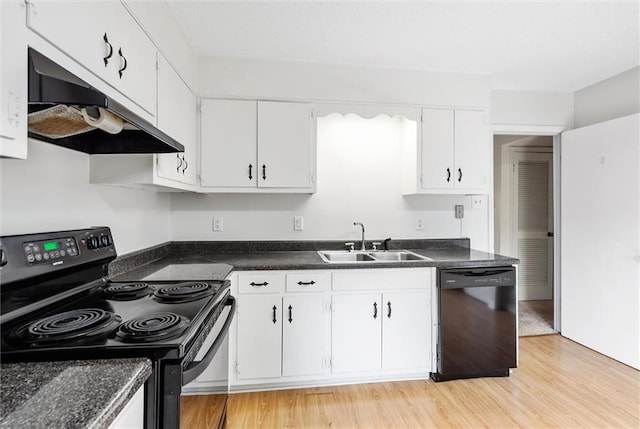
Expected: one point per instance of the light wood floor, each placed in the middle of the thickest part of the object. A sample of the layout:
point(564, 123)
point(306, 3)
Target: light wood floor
point(559, 384)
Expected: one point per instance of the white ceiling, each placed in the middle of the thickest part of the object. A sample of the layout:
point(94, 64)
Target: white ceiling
point(540, 46)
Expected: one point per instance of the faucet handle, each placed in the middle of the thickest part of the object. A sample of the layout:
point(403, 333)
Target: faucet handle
point(385, 245)
point(351, 246)
point(375, 245)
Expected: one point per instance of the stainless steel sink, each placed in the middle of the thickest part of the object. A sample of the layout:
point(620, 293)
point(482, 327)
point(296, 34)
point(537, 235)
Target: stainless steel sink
point(345, 256)
point(341, 256)
point(401, 255)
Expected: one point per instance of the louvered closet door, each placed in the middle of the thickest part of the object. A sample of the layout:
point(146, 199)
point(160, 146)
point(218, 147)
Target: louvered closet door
point(533, 223)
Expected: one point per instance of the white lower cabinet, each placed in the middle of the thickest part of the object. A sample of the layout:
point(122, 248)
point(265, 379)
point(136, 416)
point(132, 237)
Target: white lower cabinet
point(306, 328)
point(373, 332)
point(259, 336)
point(355, 333)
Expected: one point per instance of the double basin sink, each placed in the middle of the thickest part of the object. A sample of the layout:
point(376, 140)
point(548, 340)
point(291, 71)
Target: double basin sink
point(342, 256)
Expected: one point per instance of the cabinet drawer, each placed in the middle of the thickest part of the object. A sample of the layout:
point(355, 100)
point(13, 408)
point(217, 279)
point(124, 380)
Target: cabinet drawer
point(308, 282)
point(260, 283)
point(381, 279)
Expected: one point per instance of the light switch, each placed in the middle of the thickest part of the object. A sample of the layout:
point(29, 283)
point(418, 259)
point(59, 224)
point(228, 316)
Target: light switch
point(298, 223)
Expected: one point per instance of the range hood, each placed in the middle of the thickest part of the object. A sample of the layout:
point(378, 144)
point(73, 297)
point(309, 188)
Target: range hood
point(66, 111)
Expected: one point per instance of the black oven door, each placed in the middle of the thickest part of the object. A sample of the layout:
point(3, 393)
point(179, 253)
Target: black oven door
point(212, 364)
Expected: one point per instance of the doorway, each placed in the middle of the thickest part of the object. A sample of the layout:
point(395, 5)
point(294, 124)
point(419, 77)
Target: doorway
point(524, 224)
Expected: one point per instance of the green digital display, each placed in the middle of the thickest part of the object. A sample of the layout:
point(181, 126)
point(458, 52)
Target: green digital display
point(51, 245)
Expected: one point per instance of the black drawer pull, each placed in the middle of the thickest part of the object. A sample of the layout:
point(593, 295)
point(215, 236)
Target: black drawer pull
point(275, 309)
point(459, 175)
point(258, 284)
point(290, 314)
point(124, 66)
point(264, 172)
point(389, 307)
point(375, 310)
point(301, 283)
point(110, 53)
point(250, 175)
point(448, 175)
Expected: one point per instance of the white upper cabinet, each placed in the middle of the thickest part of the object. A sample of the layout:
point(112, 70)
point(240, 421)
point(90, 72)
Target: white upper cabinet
point(228, 139)
point(13, 86)
point(177, 116)
point(249, 146)
point(104, 38)
point(452, 154)
point(285, 150)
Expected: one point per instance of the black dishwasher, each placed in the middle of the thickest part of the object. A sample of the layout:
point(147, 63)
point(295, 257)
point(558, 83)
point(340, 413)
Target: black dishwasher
point(476, 323)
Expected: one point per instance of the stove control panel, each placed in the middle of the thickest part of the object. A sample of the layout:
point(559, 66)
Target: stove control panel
point(50, 250)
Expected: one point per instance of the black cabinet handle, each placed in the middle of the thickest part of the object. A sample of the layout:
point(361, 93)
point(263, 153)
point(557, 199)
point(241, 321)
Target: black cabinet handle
point(250, 174)
point(258, 284)
point(264, 172)
point(459, 175)
point(290, 314)
point(124, 67)
point(389, 309)
point(301, 283)
point(110, 53)
point(375, 310)
point(448, 175)
point(179, 163)
point(186, 164)
point(275, 309)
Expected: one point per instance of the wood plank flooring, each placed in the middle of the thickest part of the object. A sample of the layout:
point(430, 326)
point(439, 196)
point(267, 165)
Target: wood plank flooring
point(559, 384)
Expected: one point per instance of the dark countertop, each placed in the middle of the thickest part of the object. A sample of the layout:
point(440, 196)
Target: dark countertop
point(78, 394)
point(213, 260)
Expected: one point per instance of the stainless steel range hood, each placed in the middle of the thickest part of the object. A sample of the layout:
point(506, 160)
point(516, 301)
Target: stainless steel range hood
point(66, 111)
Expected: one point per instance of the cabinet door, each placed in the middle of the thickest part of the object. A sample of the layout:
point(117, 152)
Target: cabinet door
point(406, 331)
point(437, 149)
point(104, 38)
point(356, 333)
point(304, 334)
point(285, 145)
point(228, 151)
point(472, 149)
point(177, 117)
point(13, 86)
point(259, 341)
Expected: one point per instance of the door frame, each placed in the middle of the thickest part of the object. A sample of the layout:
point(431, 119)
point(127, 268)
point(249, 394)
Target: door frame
point(538, 130)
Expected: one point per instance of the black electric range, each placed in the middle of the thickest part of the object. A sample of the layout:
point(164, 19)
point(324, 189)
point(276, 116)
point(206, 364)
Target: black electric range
point(57, 303)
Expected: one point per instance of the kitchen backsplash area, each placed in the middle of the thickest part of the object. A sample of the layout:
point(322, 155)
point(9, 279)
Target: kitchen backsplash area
point(50, 191)
point(359, 179)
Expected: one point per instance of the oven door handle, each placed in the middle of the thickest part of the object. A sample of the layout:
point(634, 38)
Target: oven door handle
point(194, 369)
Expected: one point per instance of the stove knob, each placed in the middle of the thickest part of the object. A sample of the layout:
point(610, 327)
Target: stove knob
point(3, 258)
point(104, 241)
point(92, 243)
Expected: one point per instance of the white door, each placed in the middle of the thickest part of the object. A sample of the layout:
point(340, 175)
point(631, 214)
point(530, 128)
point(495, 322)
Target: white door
point(285, 145)
point(532, 229)
point(472, 149)
point(406, 330)
point(259, 336)
point(600, 243)
point(356, 333)
point(304, 335)
point(228, 151)
point(437, 149)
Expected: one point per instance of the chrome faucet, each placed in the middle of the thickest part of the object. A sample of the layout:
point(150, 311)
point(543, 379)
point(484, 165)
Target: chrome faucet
point(361, 226)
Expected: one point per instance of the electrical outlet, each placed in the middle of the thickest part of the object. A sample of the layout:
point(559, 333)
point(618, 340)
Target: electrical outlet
point(459, 211)
point(298, 223)
point(218, 223)
point(419, 223)
point(477, 201)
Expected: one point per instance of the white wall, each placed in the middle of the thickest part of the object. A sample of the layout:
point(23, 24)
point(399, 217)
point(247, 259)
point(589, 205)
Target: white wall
point(359, 179)
point(532, 108)
point(224, 77)
point(50, 191)
point(612, 98)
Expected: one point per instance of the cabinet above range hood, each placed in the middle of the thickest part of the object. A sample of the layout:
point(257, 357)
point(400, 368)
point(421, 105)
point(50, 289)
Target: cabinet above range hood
point(66, 111)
